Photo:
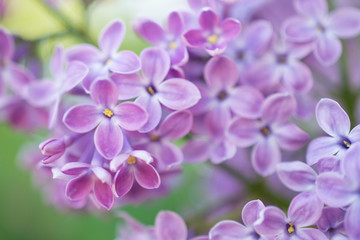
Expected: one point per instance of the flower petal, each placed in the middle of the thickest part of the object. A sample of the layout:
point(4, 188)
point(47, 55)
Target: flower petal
point(296, 176)
point(151, 105)
point(155, 64)
point(146, 175)
point(351, 164)
point(251, 212)
point(42, 93)
point(6, 46)
point(111, 37)
point(104, 92)
point(79, 187)
point(175, 24)
point(332, 118)
point(85, 53)
point(108, 139)
point(229, 230)
point(319, 148)
point(297, 77)
point(230, 28)
point(75, 168)
point(196, 151)
point(208, 20)
point(327, 50)
point(75, 73)
point(57, 61)
point(311, 233)
point(195, 38)
point(217, 120)
point(311, 8)
point(168, 155)
point(82, 118)
point(272, 221)
point(150, 31)
point(125, 62)
point(258, 35)
point(123, 181)
point(104, 194)
point(170, 226)
point(299, 29)
point(221, 73)
point(246, 101)
point(129, 85)
point(244, 132)
point(290, 137)
point(305, 209)
point(176, 125)
point(178, 94)
point(265, 156)
point(345, 22)
point(130, 116)
point(222, 151)
point(278, 108)
point(352, 219)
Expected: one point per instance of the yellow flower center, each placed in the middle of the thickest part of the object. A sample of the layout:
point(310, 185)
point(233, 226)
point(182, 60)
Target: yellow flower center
point(108, 61)
point(107, 112)
point(154, 137)
point(212, 39)
point(172, 45)
point(131, 160)
point(265, 131)
point(150, 90)
point(346, 143)
point(291, 228)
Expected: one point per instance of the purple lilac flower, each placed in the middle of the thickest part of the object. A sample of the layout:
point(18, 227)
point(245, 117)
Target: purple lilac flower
point(158, 142)
point(213, 35)
point(232, 230)
point(315, 26)
point(89, 178)
point(335, 122)
point(153, 91)
point(304, 210)
point(269, 134)
point(107, 118)
point(331, 222)
point(281, 68)
point(49, 92)
point(133, 165)
point(108, 59)
point(170, 40)
point(342, 190)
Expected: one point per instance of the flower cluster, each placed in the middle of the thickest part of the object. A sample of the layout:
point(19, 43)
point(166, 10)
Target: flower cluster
point(233, 82)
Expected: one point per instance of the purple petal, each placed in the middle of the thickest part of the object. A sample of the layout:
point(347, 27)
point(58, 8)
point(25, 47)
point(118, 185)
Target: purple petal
point(265, 156)
point(352, 219)
point(155, 64)
point(85, 53)
point(151, 105)
point(130, 116)
point(104, 92)
point(251, 212)
point(6, 45)
point(305, 209)
point(330, 218)
point(319, 148)
point(176, 125)
point(298, 29)
point(179, 56)
point(178, 94)
point(246, 101)
point(79, 188)
point(75, 73)
point(278, 108)
point(102, 174)
point(221, 73)
point(311, 233)
point(168, 155)
point(196, 151)
point(125, 62)
point(229, 230)
point(111, 37)
point(150, 31)
point(57, 61)
point(244, 132)
point(104, 194)
point(296, 176)
point(230, 28)
point(312, 8)
point(327, 50)
point(345, 22)
point(82, 118)
point(74, 168)
point(217, 120)
point(352, 164)
point(297, 77)
point(354, 135)
point(208, 20)
point(271, 222)
point(334, 190)
point(195, 38)
point(258, 35)
point(129, 85)
point(42, 93)
point(170, 226)
point(329, 164)
point(290, 137)
point(175, 24)
point(123, 181)
point(332, 118)
point(108, 139)
point(222, 151)
point(146, 175)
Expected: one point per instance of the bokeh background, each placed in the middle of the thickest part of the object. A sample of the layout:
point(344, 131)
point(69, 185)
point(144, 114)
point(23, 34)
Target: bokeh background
point(24, 213)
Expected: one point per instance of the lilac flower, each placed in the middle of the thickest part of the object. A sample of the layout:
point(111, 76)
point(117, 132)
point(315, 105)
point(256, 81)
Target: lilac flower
point(331, 222)
point(213, 35)
point(335, 122)
point(107, 118)
point(158, 142)
point(232, 230)
point(272, 132)
point(152, 90)
point(341, 190)
point(170, 40)
point(49, 92)
point(89, 178)
point(304, 210)
point(52, 149)
point(108, 58)
point(133, 165)
point(314, 25)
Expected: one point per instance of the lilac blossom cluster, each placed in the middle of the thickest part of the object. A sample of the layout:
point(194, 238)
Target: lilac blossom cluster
point(233, 82)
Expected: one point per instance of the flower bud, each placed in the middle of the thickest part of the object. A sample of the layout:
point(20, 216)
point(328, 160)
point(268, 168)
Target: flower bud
point(52, 149)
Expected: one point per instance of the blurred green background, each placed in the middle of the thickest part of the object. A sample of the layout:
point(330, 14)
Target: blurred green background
point(23, 212)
